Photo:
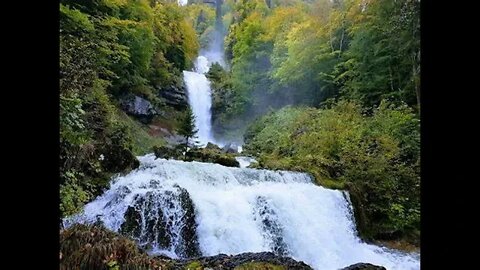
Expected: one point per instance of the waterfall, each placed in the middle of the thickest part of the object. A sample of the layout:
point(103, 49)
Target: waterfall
point(198, 86)
point(187, 209)
point(200, 98)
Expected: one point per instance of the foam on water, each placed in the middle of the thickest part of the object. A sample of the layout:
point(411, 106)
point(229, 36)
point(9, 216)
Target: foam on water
point(247, 210)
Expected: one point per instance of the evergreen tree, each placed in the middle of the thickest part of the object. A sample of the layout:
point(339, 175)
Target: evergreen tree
point(187, 129)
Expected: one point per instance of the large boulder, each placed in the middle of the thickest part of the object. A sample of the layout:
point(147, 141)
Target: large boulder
point(364, 266)
point(149, 221)
point(138, 107)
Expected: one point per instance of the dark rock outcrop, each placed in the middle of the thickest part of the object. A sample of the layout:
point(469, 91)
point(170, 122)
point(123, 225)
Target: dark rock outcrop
point(138, 107)
point(175, 96)
point(190, 246)
point(212, 156)
point(230, 148)
point(271, 225)
point(167, 152)
point(223, 261)
point(364, 266)
point(150, 210)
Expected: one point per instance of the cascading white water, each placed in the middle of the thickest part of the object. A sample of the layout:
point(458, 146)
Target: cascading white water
point(200, 98)
point(240, 210)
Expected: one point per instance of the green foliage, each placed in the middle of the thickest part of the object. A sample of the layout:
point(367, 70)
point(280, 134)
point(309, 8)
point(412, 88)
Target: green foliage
point(109, 48)
point(95, 247)
point(384, 54)
point(186, 128)
point(72, 195)
point(195, 265)
point(310, 52)
point(376, 157)
point(203, 19)
point(259, 266)
point(142, 140)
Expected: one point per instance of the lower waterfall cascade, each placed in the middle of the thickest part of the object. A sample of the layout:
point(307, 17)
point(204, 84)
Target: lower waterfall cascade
point(187, 209)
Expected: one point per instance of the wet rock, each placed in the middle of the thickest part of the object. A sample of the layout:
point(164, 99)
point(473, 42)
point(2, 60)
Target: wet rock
point(151, 211)
point(146, 211)
point(212, 156)
point(364, 266)
point(190, 246)
point(223, 261)
point(167, 152)
point(230, 148)
point(271, 226)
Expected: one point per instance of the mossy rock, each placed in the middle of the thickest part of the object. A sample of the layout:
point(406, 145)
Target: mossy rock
point(260, 266)
point(167, 152)
point(195, 265)
point(212, 156)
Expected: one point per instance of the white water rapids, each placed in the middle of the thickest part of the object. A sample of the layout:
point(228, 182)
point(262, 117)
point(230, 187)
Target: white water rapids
point(240, 210)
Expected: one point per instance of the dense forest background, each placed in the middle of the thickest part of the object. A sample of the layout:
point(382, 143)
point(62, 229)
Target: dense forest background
point(327, 87)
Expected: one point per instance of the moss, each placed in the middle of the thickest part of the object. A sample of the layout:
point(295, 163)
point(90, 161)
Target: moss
point(259, 266)
point(195, 265)
point(213, 156)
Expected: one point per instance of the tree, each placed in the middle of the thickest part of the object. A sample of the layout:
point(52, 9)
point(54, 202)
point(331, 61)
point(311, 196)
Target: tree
point(186, 128)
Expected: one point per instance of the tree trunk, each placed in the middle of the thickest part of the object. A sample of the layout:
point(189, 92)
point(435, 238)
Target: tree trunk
point(415, 73)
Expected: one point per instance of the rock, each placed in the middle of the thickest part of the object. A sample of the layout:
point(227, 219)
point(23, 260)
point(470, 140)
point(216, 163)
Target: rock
point(230, 148)
point(248, 261)
point(117, 158)
point(213, 146)
point(167, 152)
point(190, 246)
point(138, 107)
point(174, 96)
point(150, 210)
point(212, 156)
point(364, 266)
point(272, 226)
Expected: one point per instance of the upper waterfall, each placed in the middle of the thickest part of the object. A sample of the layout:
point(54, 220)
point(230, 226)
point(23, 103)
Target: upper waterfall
point(200, 98)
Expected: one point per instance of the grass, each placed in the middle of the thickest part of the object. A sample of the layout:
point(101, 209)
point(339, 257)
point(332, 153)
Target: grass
point(142, 140)
point(195, 265)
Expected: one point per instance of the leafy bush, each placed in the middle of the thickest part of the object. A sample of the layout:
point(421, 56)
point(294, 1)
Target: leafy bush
point(94, 247)
point(375, 157)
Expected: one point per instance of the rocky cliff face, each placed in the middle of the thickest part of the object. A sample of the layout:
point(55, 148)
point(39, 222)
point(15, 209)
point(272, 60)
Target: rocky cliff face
point(138, 107)
point(175, 96)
